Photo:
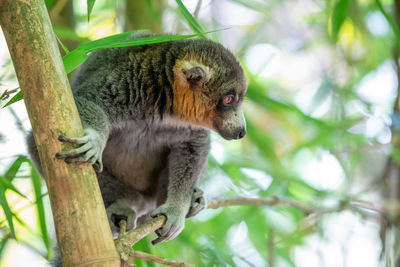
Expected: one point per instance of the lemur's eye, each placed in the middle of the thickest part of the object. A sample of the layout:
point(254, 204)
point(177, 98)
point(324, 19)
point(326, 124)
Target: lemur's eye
point(228, 99)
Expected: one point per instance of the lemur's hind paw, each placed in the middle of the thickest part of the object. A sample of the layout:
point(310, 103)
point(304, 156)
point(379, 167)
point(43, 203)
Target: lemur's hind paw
point(119, 211)
point(197, 204)
point(90, 151)
point(174, 224)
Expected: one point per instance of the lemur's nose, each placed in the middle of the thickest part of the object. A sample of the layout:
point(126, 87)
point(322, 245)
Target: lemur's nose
point(241, 134)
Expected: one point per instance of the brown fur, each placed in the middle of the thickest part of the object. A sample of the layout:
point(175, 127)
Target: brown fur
point(190, 103)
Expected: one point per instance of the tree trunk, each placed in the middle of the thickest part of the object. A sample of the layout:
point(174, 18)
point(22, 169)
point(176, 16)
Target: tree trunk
point(84, 236)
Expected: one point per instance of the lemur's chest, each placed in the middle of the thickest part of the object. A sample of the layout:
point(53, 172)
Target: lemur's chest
point(137, 151)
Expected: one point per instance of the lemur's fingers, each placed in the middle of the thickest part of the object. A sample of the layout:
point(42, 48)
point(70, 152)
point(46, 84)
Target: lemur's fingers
point(92, 160)
point(175, 221)
point(85, 158)
point(159, 239)
point(197, 193)
point(171, 233)
point(74, 152)
point(198, 203)
point(196, 206)
point(73, 160)
point(75, 140)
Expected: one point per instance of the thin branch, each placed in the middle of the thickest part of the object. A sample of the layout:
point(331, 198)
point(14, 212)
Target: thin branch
point(197, 10)
point(18, 121)
point(122, 228)
point(150, 257)
point(271, 248)
point(56, 10)
point(390, 21)
point(271, 201)
point(125, 240)
point(6, 94)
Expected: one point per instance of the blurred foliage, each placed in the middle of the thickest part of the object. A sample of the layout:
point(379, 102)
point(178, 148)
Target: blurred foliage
point(319, 108)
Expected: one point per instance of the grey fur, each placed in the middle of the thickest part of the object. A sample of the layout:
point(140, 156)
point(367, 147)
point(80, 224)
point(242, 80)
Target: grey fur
point(152, 155)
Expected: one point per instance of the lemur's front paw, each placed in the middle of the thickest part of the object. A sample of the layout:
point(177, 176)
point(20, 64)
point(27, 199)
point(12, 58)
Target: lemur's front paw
point(174, 225)
point(119, 211)
point(90, 151)
point(197, 204)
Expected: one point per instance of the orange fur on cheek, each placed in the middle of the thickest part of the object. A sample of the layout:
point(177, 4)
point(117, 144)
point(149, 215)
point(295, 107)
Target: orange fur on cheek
point(189, 104)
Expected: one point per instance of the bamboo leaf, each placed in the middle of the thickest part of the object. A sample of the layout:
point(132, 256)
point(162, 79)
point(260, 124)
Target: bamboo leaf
point(6, 184)
point(76, 57)
point(68, 33)
point(339, 16)
point(14, 167)
point(73, 59)
point(17, 97)
point(3, 244)
point(255, 5)
point(196, 27)
point(66, 50)
point(6, 208)
point(37, 188)
point(90, 4)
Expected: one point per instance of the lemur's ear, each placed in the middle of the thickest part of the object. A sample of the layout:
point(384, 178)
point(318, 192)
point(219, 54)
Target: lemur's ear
point(195, 76)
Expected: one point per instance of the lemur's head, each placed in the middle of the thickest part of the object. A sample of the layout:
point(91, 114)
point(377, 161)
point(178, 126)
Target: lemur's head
point(209, 86)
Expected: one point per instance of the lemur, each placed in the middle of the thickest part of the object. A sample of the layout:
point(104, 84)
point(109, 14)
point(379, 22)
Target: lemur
point(147, 112)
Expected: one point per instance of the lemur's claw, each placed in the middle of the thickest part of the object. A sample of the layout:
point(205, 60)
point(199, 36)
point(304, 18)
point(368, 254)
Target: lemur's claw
point(197, 204)
point(98, 166)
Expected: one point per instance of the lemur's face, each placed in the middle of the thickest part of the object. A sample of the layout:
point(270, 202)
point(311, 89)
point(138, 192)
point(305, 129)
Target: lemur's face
point(210, 97)
point(228, 119)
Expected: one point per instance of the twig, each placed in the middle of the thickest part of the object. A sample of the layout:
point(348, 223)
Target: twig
point(122, 228)
point(125, 241)
point(150, 257)
point(271, 248)
point(57, 8)
point(391, 208)
point(271, 201)
point(18, 121)
point(197, 10)
point(6, 94)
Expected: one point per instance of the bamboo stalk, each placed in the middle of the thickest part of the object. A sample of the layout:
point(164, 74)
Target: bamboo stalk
point(84, 236)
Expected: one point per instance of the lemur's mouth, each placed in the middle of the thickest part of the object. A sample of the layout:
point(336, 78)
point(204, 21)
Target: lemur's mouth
point(229, 134)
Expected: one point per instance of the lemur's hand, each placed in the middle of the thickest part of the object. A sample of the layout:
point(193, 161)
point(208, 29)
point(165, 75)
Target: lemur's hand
point(90, 151)
point(197, 204)
point(121, 210)
point(175, 221)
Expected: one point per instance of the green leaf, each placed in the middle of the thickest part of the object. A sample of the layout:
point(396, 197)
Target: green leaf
point(3, 244)
point(37, 188)
point(69, 33)
point(66, 50)
point(196, 27)
point(339, 16)
point(76, 57)
point(6, 208)
point(143, 245)
point(73, 59)
point(256, 93)
point(6, 184)
point(255, 5)
point(49, 3)
point(90, 4)
point(17, 97)
point(14, 167)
